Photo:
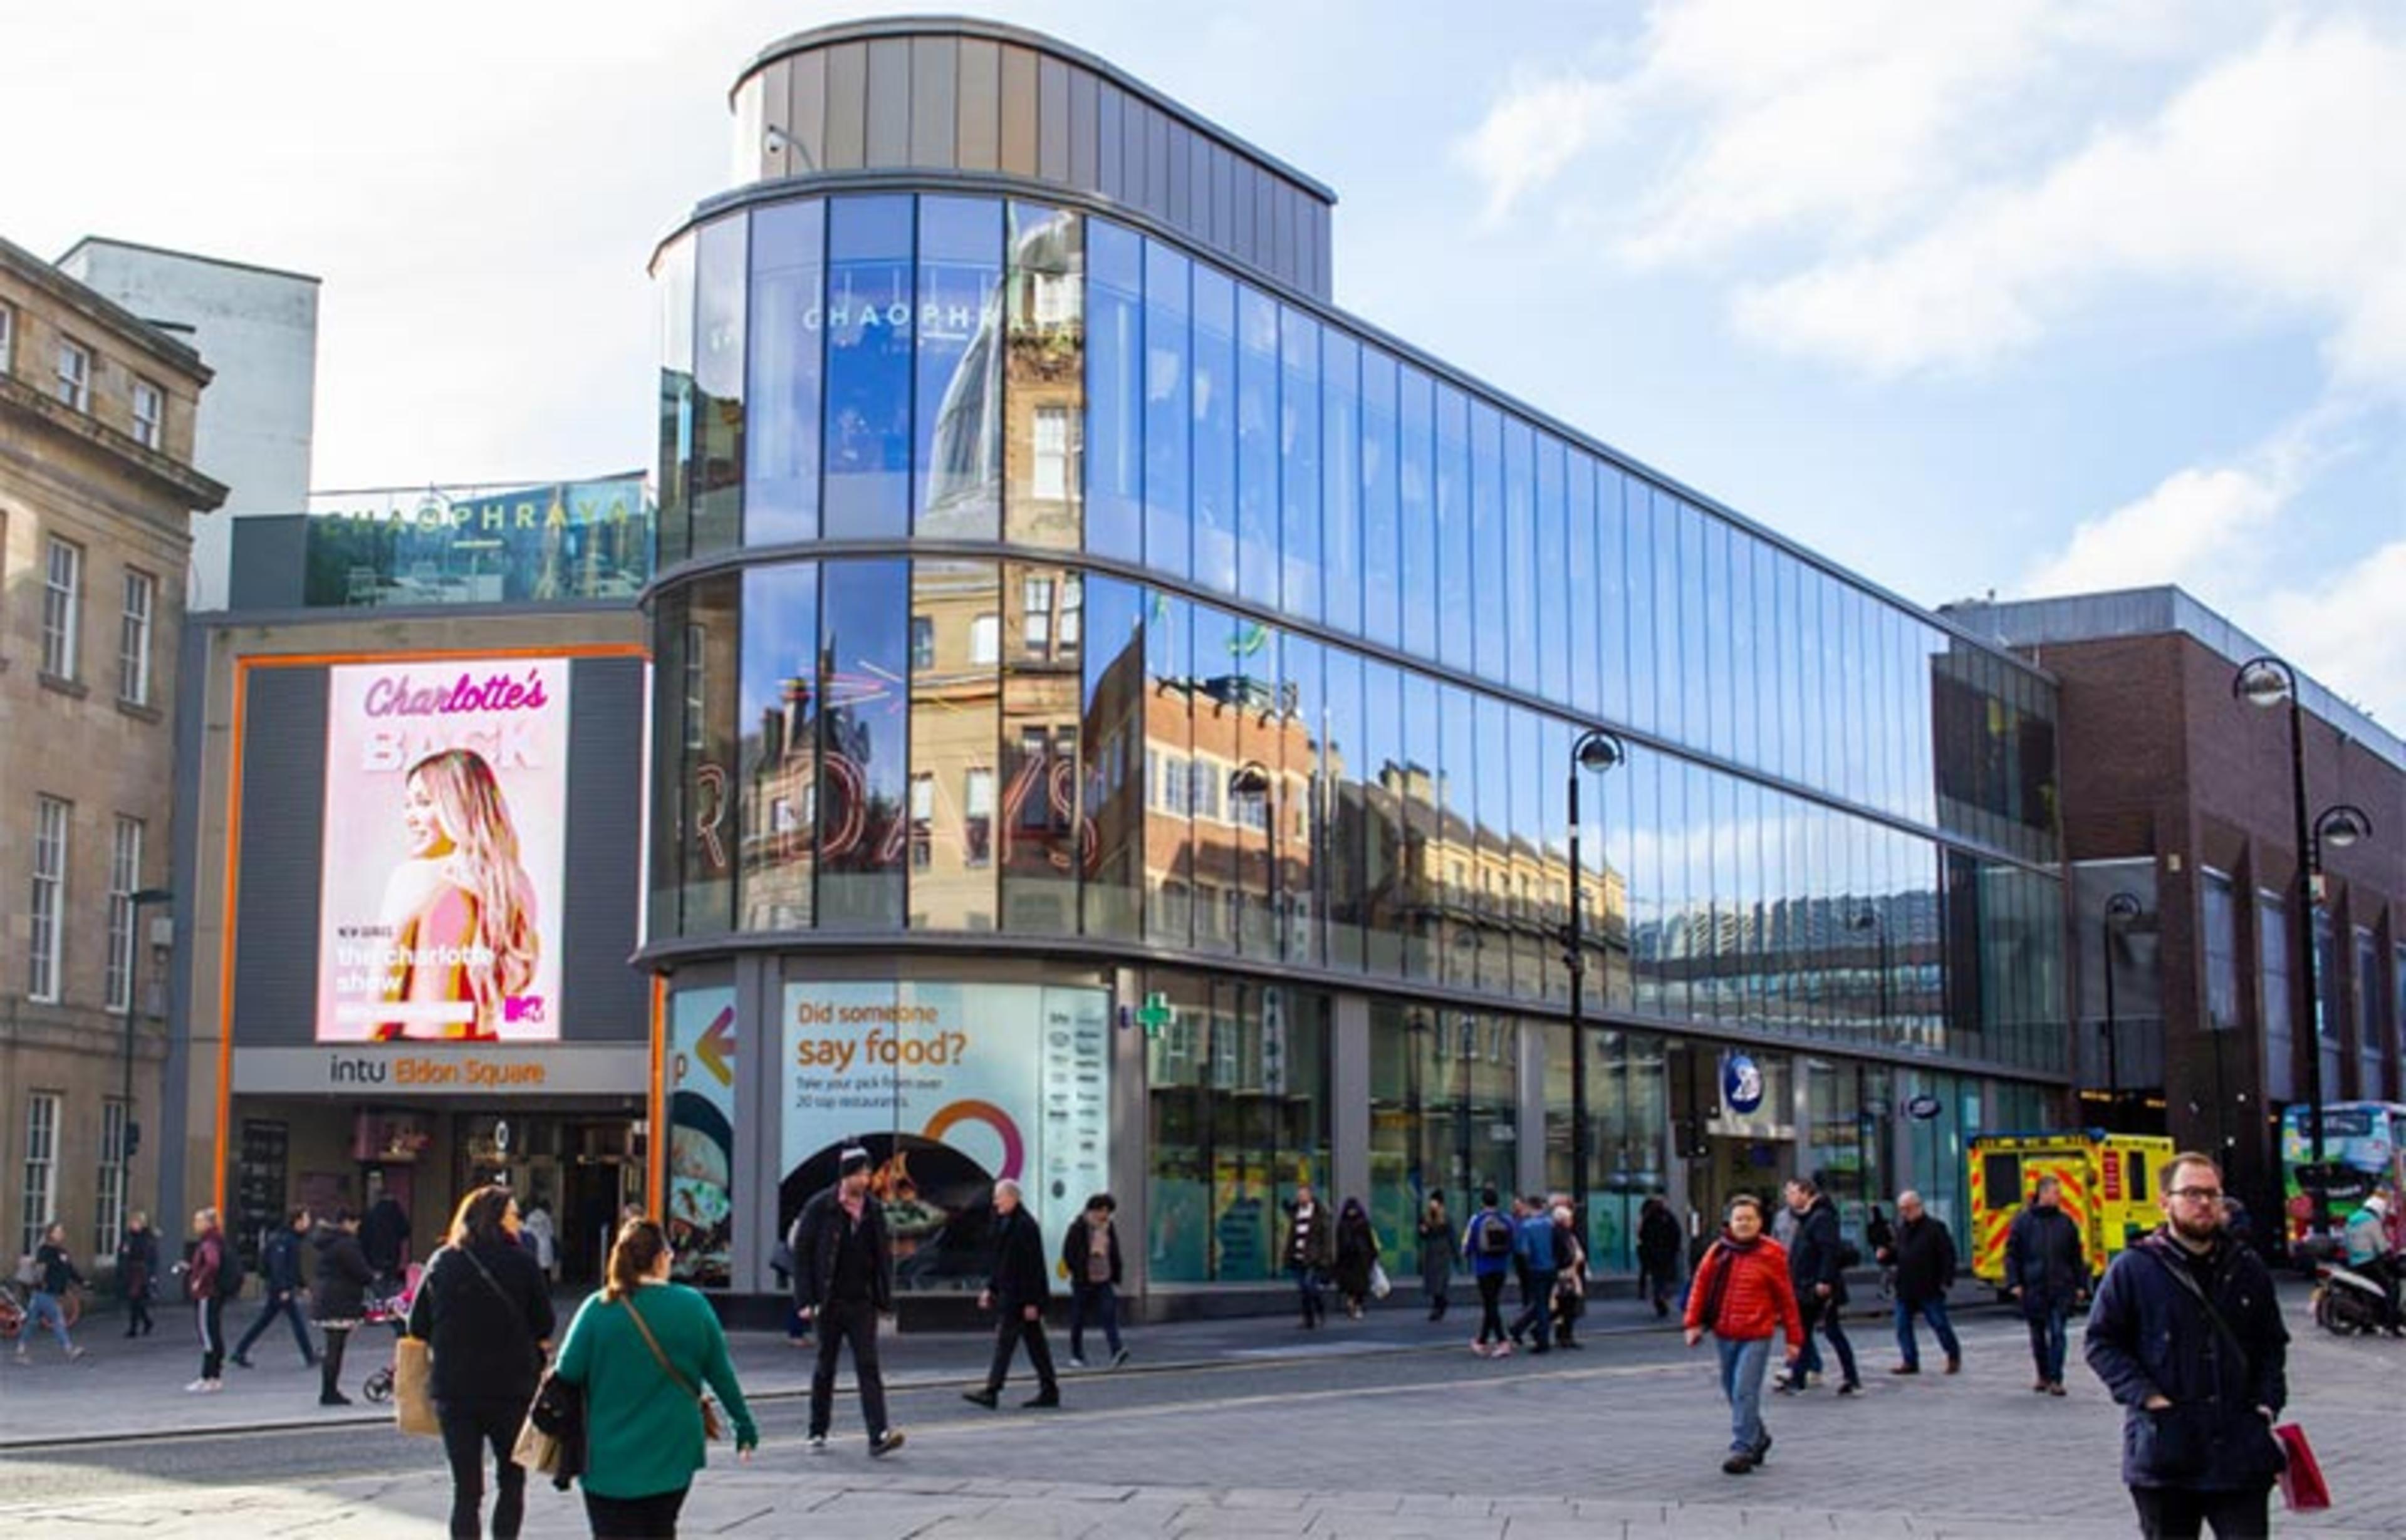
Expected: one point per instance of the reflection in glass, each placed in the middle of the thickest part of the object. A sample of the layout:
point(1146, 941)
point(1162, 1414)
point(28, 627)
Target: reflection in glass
point(1519, 549)
point(1555, 629)
point(1381, 555)
point(956, 464)
point(780, 499)
point(1044, 642)
point(1488, 621)
point(715, 478)
point(953, 834)
point(1299, 462)
point(1169, 411)
point(1112, 734)
point(868, 316)
point(1377, 772)
point(1341, 463)
point(1491, 796)
point(673, 273)
point(1583, 608)
point(1044, 378)
point(864, 736)
point(1417, 779)
point(1215, 430)
point(1119, 429)
point(1171, 873)
point(1426, 554)
point(696, 688)
point(781, 758)
point(1257, 446)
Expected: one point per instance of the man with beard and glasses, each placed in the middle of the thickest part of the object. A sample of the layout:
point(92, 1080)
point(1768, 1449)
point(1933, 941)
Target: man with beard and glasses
point(2188, 1335)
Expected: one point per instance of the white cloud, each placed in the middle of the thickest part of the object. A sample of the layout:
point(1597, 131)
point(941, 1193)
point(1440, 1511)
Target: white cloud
point(2278, 176)
point(1530, 135)
point(2193, 523)
point(2345, 631)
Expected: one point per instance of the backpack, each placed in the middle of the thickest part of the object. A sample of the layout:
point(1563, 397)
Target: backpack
point(230, 1274)
point(1494, 1235)
point(1849, 1254)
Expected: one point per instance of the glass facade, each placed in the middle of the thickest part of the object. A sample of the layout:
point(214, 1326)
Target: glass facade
point(1100, 594)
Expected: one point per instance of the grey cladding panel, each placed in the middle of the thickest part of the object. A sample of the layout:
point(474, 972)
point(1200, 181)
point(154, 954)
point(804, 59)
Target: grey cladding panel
point(935, 74)
point(847, 106)
point(980, 104)
point(605, 998)
point(889, 102)
point(283, 831)
point(1109, 159)
point(1053, 119)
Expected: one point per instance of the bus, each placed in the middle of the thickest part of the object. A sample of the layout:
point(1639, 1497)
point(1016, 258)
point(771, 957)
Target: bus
point(2364, 1146)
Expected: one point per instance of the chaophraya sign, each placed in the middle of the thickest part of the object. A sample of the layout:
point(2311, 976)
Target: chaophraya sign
point(446, 809)
point(950, 1088)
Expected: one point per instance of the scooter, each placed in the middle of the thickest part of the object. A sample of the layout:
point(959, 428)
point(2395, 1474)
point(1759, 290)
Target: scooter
point(2349, 1303)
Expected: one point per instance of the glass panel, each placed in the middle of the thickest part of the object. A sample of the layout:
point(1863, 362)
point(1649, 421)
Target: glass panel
point(1118, 391)
point(1492, 797)
point(1579, 598)
point(1416, 773)
point(780, 499)
point(1349, 843)
point(1301, 855)
point(865, 769)
point(957, 465)
point(1381, 557)
point(1455, 617)
point(1458, 837)
point(1695, 663)
point(673, 280)
point(1645, 660)
point(1299, 460)
point(1215, 430)
point(1341, 463)
point(1521, 617)
point(1612, 603)
point(716, 477)
point(702, 687)
point(1113, 737)
point(1169, 854)
point(1489, 620)
point(1045, 480)
point(1257, 448)
point(781, 750)
point(1169, 412)
point(952, 791)
point(1673, 683)
point(1375, 778)
point(869, 315)
point(1526, 876)
point(1044, 636)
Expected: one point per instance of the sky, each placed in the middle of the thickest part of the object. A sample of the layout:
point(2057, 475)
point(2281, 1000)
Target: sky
point(2029, 296)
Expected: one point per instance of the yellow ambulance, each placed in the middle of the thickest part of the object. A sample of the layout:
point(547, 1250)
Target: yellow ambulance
point(2108, 1190)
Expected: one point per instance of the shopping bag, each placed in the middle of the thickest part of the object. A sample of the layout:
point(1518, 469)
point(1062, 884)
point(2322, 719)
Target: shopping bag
point(412, 1387)
point(536, 1450)
point(1380, 1287)
point(2302, 1486)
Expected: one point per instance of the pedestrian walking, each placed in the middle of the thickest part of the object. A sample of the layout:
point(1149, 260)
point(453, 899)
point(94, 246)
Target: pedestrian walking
point(2188, 1335)
point(137, 1273)
point(2046, 1270)
point(842, 1282)
point(1357, 1253)
point(1016, 1291)
point(1532, 1256)
point(484, 1310)
point(1924, 1258)
point(339, 1302)
point(1880, 1235)
point(384, 1236)
point(1658, 1255)
point(1570, 1279)
point(1816, 1268)
point(280, 1260)
point(1487, 1244)
point(212, 1272)
point(54, 1273)
point(1436, 1253)
point(1741, 1296)
point(641, 1349)
point(1311, 1251)
point(542, 1234)
point(1090, 1254)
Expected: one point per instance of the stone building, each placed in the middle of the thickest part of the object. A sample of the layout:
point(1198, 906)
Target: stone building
point(97, 487)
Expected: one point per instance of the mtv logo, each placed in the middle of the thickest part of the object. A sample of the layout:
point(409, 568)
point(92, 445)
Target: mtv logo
point(523, 1010)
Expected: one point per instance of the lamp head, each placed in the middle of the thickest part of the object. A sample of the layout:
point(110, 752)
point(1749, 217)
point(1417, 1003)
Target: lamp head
point(2263, 681)
point(2343, 825)
point(1250, 779)
point(2122, 908)
point(1599, 752)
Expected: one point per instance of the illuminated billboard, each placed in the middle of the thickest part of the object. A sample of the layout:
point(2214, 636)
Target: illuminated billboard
point(446, 802)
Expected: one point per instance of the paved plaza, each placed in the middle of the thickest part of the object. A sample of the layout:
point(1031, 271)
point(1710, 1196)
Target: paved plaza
point(1377, 1429)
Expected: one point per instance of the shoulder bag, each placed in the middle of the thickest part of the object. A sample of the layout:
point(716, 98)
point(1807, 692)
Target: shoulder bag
point(2300, 1475)
point(711, 1428)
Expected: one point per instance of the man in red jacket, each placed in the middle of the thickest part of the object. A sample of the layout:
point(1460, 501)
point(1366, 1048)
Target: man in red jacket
point(1741, 1294)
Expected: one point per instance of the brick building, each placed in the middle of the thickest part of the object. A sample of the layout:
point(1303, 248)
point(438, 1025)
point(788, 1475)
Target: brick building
point(96, 490)
point(2177, 792)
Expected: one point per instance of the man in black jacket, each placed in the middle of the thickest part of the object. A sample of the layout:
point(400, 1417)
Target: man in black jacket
point(280, 1259)
point(1924, 1258)
point(1658, 1255)
point(1820, 1281)
point(1019, 1286)
point(841, 1266)
point(2188, 1335)
point(2047, 1270)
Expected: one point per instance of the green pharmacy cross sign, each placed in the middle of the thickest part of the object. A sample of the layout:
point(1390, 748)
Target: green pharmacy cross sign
point(1157, 1014)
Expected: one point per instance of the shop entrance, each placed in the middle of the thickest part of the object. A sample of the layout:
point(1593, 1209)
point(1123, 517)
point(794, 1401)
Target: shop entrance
point(583, 1170)
point(1734, 1111)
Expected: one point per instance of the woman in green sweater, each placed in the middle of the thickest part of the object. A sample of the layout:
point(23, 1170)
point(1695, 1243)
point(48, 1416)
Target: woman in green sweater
point(639, 1350)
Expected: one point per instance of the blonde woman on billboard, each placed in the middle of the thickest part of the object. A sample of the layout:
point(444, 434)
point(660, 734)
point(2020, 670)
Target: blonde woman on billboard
point(460, 908)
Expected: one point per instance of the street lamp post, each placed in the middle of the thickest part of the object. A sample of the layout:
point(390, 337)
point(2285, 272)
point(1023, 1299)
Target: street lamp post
point(1596, 752)
point(2266, 681)
point(2120, 909)
point(130, 1135)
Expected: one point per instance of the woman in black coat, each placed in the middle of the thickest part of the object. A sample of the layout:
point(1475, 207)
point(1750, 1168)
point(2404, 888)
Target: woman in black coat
point(137, 1273)
point(339, 1298)
point(1357, 1251)
point(484, 1307)
point(1436, 1253)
